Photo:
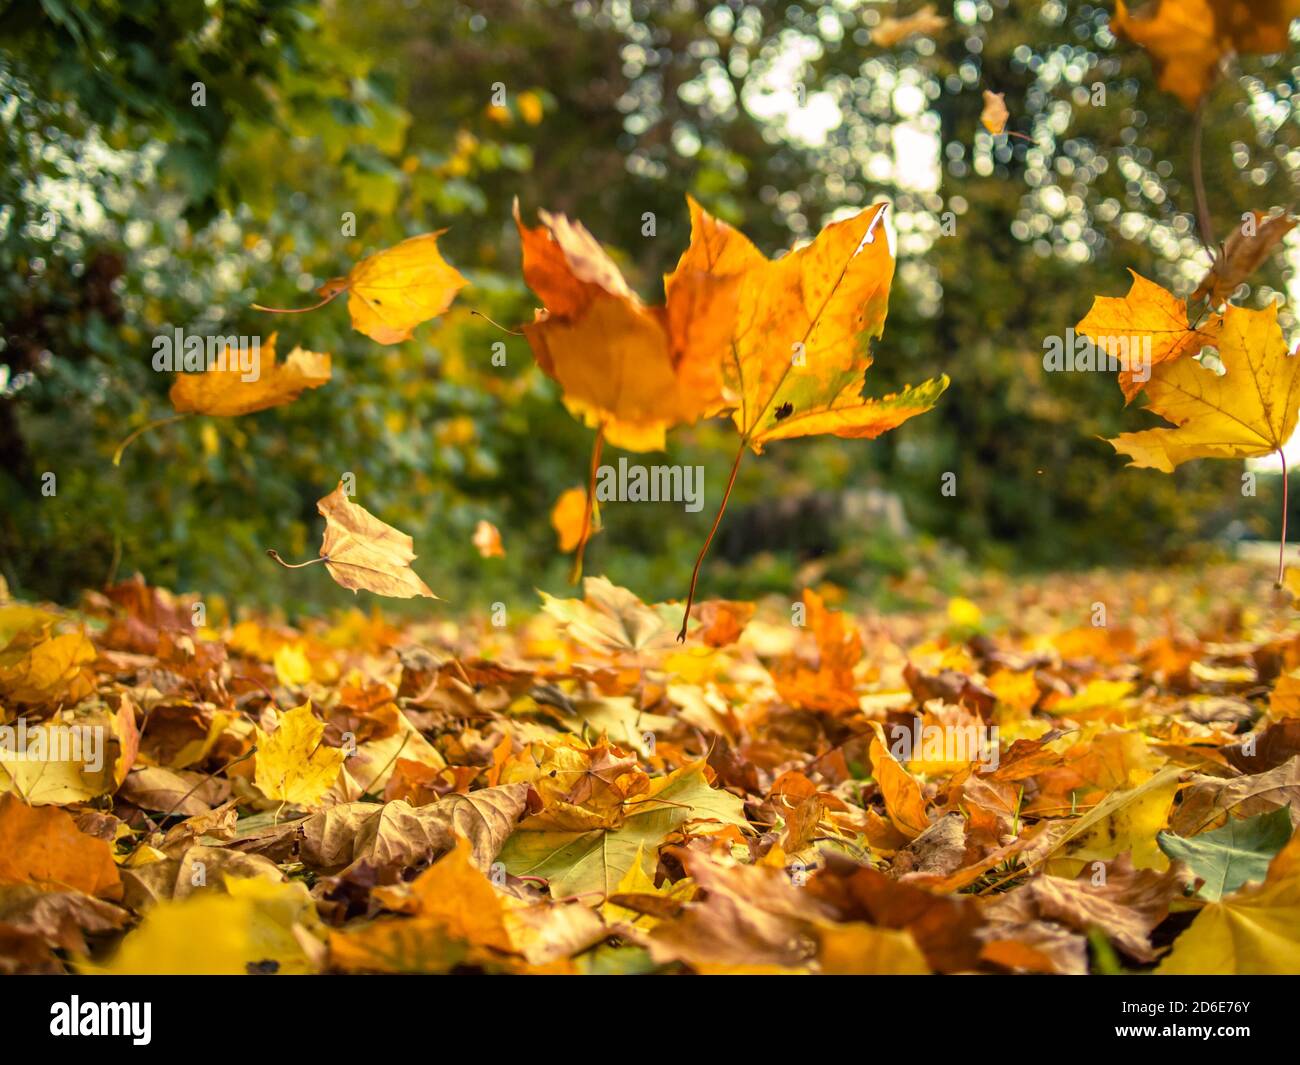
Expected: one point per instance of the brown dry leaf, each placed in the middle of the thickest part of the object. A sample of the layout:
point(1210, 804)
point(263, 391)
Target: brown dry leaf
point(944, 927)
point(1035, 947)
point(395, 835)
point(1243, 253)
point(60, 918)
point(1125, 903)
point(1208, 801)
point(196, 870)
point(164, 791)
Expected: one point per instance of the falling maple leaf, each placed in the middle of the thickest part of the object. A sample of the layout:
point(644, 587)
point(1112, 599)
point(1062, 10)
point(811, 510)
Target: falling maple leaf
point(487, 540)
point(891, 31)
point(1151, 320)
point(800, 343)
point(360, 551)
point(1248, 410)
point(394, 290)
point(226, 390)
point(629, 370)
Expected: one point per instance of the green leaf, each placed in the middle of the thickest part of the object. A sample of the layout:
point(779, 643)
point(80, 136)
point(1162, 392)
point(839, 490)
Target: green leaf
point(1232, 855)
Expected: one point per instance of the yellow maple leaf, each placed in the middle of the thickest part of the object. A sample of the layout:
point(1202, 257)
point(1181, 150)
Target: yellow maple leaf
point(224, 390)
point(1248, 410)
point(255, 925)
point(394, 290)
point(902, 794)
point(799, 345)
point(801, 340)
point(291, 763)
point(1144, 329)
point(1125, 820)
point(291, 664)
point(36, 667)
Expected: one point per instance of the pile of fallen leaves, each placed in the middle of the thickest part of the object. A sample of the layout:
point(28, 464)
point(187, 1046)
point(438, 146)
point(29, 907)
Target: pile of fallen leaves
point(584, 794)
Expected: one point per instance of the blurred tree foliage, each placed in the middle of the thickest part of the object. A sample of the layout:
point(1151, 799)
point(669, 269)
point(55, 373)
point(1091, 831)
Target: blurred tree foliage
point(128, 210)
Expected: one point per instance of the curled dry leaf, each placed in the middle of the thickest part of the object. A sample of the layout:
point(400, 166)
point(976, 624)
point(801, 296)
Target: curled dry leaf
point(924, 23)
point(487, 540)
point(1243, 253)
point(227, 391)
point(995, 114)
point(362, 552)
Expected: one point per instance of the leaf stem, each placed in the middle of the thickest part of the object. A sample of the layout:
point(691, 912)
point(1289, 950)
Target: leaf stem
point(1203, 220)
point(117, 455)
point(299, 310)
point(511, 332)
point(575, 574)
point(294, 565)
point(699, 561)
point(1281, 549)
